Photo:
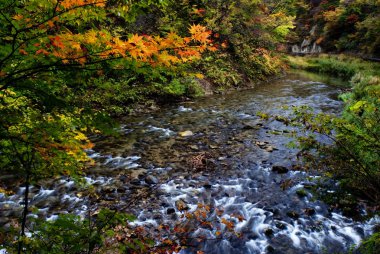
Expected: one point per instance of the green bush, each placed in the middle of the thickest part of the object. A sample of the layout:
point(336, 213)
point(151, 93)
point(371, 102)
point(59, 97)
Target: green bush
point(353, 155)
point(370, 245)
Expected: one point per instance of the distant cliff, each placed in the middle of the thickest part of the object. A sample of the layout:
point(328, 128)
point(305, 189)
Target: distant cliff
point(338, 26)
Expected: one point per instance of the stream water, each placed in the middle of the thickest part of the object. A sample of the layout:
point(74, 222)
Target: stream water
point(216, 151)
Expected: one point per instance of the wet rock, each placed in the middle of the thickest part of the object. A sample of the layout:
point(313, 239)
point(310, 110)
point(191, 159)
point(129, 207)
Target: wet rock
point(280, 169)
point(281, 244)
point(207, 186)
point(293, 215)
point(10, 210)
point(3, 220)
point(157, 216)
point(249, 126)
point(151, 180)
point(181, 205)
point(281, 225)
point(301, 193)
point(51, 201)
point(261, 144)
point(309, 185)
point(186, 133)
point(170, 210)
point(123, 178)
point(108, 189)
point(270, 249)
point(269, 149)
point(268, 232)
point(309, 211)
point(173, 216)
point(194, 147)
point(135, 181)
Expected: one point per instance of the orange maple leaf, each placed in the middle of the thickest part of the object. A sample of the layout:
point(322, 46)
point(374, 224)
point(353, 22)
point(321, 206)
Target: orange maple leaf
point(199, 33)
point(23, 52)
point(18, 17)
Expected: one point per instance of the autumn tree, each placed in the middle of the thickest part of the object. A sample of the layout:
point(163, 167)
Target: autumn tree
point(249, 36)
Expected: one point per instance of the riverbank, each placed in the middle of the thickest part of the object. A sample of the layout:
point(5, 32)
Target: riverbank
point(354, 159)
point(341, 66)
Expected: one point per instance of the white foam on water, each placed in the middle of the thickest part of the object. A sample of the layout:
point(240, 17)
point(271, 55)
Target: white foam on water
point(259, 220)
point(146, 222)
point(257, 246)
point(166, 132)
point(184, 109)
point(176, 198)
point(117, 161)
point(43, 193)
point(124, 129)
point(293, 231)
point(92, 154)
point(21, 190)
point(296, 187)
point(237, 187)
point(43, 210)
point(351, 233)
point(244, 116)
point(226, 201)
point(52, 217)
point(71, 199)
point(122, 162)
point(98, 180)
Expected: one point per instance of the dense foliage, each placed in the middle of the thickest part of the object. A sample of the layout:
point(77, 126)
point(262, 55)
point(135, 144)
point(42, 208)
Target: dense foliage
point(342, 25)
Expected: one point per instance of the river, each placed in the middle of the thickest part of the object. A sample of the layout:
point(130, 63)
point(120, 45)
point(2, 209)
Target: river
point(215, 151)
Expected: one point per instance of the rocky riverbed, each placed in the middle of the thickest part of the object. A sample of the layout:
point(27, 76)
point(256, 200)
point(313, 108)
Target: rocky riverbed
point(217, 151)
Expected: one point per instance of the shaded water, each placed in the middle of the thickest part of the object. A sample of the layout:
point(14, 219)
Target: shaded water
point(225, 162)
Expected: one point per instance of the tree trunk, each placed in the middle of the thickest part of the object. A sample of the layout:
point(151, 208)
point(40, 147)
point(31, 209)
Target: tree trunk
point(25, 212)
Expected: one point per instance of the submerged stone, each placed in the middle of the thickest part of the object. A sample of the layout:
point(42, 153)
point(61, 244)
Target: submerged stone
point(293, 215)
point(280, 169)
point(151, 179)
point(170, 210)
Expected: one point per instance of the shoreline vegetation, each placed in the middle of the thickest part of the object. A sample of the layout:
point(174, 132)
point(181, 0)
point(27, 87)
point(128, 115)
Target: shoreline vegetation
point(354, 160)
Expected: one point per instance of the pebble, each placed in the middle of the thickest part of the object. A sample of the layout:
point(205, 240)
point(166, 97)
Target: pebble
point(186, 133)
